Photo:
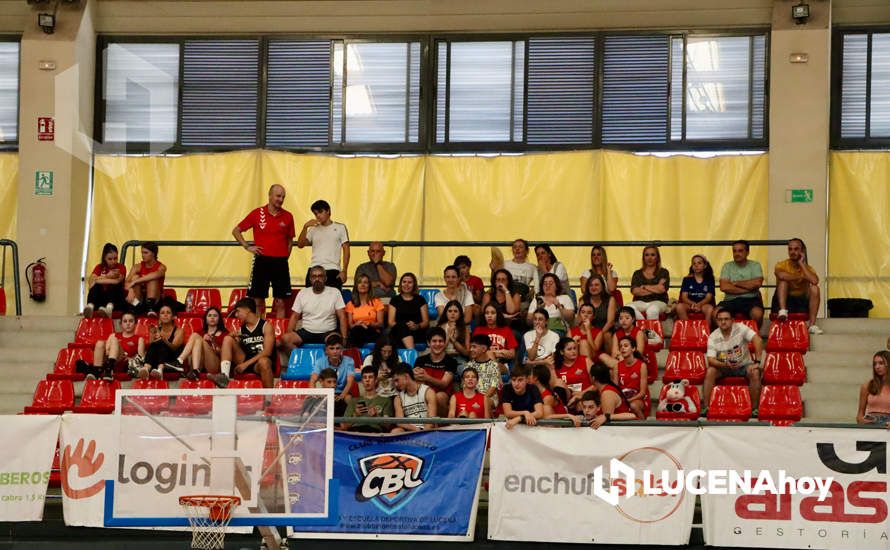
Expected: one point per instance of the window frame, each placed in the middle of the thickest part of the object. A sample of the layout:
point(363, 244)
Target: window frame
point(837, 73)
point(13, 145)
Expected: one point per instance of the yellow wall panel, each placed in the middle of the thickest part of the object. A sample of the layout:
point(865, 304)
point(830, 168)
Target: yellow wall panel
point(9, 180)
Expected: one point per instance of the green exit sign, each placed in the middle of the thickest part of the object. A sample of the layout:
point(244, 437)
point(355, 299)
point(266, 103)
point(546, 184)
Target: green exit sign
point(798, 195)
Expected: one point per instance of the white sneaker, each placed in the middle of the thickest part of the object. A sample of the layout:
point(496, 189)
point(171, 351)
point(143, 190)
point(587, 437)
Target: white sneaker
point(88, 311)
point(814, 329)
point(783, 314)
point(107, 310)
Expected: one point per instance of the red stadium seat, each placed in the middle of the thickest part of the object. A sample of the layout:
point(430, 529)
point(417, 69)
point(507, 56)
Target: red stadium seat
point(289, 303)
point(688, 364)
point(143, 324)
point(189, 325)
point(52, 397)
point(780, 404)
point(653, 325)
point(248, 404)
point(619, 299)
point(90, 331)
point(733, 381)
point(784, 367)
point(774, 316)
point(788, 335)
point(730, 404)
point(234, 296)
point(98, 397)
point(55, 472)
point(197, 300)
point(750, 323)
point(285, 405)
point(153, 404)
point(170, 293)
point(233, 324)
point(690, 335)
point(651, 366)
point(187, 405)
point(280, 326)
point(66, 368)
point(356, 357)
point(692, 393)
point(697, 315)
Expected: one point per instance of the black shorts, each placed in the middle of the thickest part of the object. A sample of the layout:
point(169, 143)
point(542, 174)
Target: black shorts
point(742, 306)
point(267, 270)
point(794, 304)
point(332, 280)
point(312, 337)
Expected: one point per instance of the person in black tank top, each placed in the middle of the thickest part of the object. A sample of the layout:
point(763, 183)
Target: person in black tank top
point(251, 350)
point(164, 344)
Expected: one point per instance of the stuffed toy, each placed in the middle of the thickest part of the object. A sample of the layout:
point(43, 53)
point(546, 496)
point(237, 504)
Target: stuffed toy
point(675, 399)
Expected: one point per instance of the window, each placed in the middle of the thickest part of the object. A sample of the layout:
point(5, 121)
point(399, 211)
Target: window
point(861, 98)
point(9, 92)
point(141, 93)
point(298, 94)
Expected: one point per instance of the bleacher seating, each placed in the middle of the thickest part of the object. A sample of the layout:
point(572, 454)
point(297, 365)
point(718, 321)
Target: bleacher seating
point(233, 324)
point(651, 366)
point(429, 295)
point(692, 393)
point(189, 325)
point(784, 367)
point(65, 367)
point(730, 404)
point(98, 397)
point(170, 293)
point(52, 397)
point(780, 404)
point(197, 300)
point(153, 404)
point(188, 405)
point(688, 364)
point(790, 335)
point(655, 326)
point(690, 334)
point(282, 405)
point(90, 331)
point(248, 404)
point(299, 365)
point(234, 296)
point(407, 356)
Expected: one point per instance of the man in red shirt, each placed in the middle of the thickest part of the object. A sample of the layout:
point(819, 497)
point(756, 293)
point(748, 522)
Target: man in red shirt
point(273, 236)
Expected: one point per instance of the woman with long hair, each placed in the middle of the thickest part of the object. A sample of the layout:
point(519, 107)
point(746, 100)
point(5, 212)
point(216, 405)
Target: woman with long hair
point(106, 284)
point(409, 316)
point(573, 369)
point(874, 395)
point(559, 307)
point(454, 290)
point(630, 372)
point(457, 335)
point(364, 313)
point(503, 341)
point(697, 290)
point(547, 263)
point(604, 304)
point(164, 345)
point(649, 286)
point(502, 296)
point(383, 358)
point(600, 265)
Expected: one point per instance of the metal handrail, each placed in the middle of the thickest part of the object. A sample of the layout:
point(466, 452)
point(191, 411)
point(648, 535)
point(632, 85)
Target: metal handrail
point(568, 423)
point(17, 285)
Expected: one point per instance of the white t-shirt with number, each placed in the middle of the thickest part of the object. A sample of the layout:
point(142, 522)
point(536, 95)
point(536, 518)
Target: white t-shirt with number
point(733, 348)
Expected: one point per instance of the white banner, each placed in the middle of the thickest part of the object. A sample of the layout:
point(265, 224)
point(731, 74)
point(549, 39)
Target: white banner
point(86, 446)
point(542, 487)
point(854, 514)
point(26, 458)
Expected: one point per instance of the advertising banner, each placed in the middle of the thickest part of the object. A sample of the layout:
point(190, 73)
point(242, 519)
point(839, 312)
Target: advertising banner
point(412, 486)
point(849, 513)
point(26, 459)
point(545, 486)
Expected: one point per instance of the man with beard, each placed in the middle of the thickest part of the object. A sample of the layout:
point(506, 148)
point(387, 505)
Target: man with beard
point(321, 309)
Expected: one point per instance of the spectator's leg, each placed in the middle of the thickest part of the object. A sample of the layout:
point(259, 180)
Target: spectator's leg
point(756, 314)
point(99, 353)
point(263, 368)
point(814, 303)
point(442, 403)
point(754, 384)
point(710, 380)
point(260, 307)
point(654, 310)
point(112, 348)
point(637, 408)
point(639, 308)
point(289, 341)
point(278, 308)
point(153, 290)
point(209, 358)
point(682, 311)
point(782, 294)
point(708, 311)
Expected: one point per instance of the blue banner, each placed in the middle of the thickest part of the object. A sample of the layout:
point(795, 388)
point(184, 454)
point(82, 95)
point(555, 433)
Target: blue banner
point(415, 485)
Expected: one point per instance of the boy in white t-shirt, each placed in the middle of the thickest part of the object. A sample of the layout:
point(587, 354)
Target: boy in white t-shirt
point(728, 355)
point(329, 239)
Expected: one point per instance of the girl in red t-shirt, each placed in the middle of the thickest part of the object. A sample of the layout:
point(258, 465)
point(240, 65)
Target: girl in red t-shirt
point(203, 348)
point(630, 372)
point(120, 347)
point(106, 284)
point(145, 283)
point(503, 342)
point(572, 368)
point(553, 395)
point(588, 337)
point(469, 403)
point(627, 326)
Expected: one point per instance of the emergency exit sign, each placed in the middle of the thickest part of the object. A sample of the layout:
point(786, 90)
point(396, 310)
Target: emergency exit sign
point(798, 195)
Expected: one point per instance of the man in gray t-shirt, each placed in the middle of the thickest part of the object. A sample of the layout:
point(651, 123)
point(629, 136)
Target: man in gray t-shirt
point(382, 274)
point(740, 281)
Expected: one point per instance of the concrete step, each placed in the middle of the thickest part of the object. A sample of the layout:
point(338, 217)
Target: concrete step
point(836, 375)
point(39, 322)
point(848, 341)
point(847, 392)
point(830, 410)
point(855, 326)
point(54, 339)
point(31, 354)
point(14, 403)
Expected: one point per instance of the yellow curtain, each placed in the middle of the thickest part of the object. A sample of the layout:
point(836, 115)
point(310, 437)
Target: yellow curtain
point(859, 228)
point(590, 195)
point(9, 180)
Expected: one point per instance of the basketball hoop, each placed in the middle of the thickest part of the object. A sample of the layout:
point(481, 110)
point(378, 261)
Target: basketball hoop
point(208, 516)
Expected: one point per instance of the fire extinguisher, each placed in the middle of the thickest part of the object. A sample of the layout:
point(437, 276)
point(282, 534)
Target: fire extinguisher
point(35, 274)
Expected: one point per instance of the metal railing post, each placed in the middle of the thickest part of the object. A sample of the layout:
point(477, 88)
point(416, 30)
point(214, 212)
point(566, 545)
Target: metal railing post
point(16, 277)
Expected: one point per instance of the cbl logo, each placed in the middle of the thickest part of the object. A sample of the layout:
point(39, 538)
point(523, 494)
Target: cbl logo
point(389, 479)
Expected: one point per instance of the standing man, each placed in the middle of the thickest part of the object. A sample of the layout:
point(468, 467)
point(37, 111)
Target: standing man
point(382, 274)
point(328, 239)
point(728, 355)
point(740, 280)
point(797, 285)
point(273, 239)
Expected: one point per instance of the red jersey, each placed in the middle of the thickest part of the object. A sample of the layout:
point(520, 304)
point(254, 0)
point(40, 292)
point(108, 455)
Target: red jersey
point(143, 270)
point(629, 377)
point(102, 270)
point(622, 407)
point(464, 405)
point(575, 374)
point(129, 344)
point(271, 233)
point(501, 337)
point(558, 406)
point(475, 284)
point(578, 335)
point(217, 339)
point(619, 333)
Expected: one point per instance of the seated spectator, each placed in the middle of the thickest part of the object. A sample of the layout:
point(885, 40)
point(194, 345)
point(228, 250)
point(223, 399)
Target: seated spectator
point(631, 373)
point(874, 395)
point(457, 335)
point(454, 291)
point(540, 342)
point(437, 369)
point(572, 368)
point(697, 290)
point(525, 274)
point(250, 348)
point(364, 314)
point(342, 365)
point(600, 265)
point(728, 355)
point(588, 337)
point(322, 311)
point(604, 304)
point(408, 314)
point(380, 273)
point(413, 400)
point(554, 406)
point(547, 263)
point(649, 286)
point(205, 347)
point(469, 402)
point(740, 281)
point(145, 283)
point(487, 369)
point(522, 402)
point(590, 404)
point(106, 284)
point(164, 344)
point(797, 286)
point(384, 359)
point(121, 347)
point(627, 326)
point(505, 298)
point(370, 404)
point(502, 340)
point(474, 283)
point(559, 307)
point(327, 379)
point(611, 402)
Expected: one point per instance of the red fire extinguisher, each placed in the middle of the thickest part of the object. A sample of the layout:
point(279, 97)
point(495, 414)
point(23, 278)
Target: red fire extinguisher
point(35, 274)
